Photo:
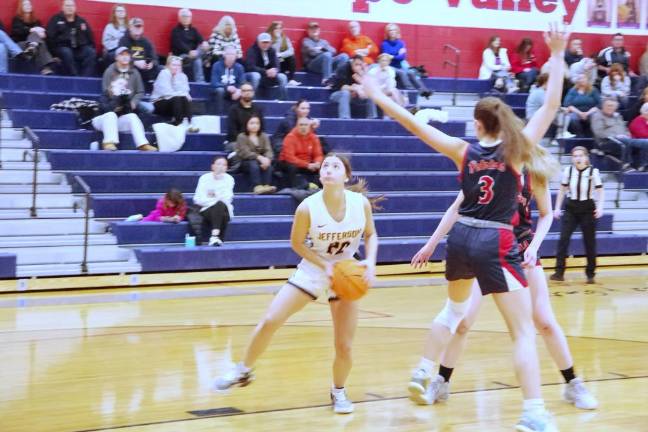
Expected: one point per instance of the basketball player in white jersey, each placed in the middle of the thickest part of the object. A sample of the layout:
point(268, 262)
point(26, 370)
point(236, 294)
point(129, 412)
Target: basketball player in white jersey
point(335, 219)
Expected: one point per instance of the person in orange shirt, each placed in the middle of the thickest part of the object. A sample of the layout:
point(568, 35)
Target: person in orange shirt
point(359, 44)
point(301, 154)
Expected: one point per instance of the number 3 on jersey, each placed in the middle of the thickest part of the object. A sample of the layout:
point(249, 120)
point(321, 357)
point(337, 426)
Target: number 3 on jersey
point(486, 194)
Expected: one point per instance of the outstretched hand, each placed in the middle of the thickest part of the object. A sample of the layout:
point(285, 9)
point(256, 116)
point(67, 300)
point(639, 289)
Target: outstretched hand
point(556, 38)
point(368, 83)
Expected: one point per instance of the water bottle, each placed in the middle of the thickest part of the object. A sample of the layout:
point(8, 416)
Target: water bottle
point(190, 241)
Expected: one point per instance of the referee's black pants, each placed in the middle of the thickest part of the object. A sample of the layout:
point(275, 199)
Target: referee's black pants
point(578, 213)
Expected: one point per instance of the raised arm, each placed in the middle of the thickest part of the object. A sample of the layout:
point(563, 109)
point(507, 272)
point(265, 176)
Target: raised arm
point(538, 124)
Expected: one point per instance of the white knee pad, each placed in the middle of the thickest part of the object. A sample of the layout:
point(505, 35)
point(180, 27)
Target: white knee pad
point(452, 314)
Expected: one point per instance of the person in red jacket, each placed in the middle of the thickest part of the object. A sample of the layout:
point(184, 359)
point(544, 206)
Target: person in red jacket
point(301, 154)
point(639, 131)
point(524, 64)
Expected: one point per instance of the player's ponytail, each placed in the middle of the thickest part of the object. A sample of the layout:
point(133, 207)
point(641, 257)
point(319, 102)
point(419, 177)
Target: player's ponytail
point(360, 184)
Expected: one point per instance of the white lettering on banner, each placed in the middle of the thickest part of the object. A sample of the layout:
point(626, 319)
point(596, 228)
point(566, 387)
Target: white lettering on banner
point(529, 15)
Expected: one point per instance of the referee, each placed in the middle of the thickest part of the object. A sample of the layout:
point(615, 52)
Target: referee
point(580, 181)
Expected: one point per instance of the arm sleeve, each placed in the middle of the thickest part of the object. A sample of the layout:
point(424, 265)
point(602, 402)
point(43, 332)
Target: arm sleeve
point(139, 88)
point(606, 88)
point(329, 47)
point(290, 51)
point(105, 37)
point(373, 48)
point(243, 149)
point(288, 151)
point(596, 123)
point(19, 30)
point(200, 195)
point(565, 177)
point(216, 73)
point(347, 47)
point(569, 98)
point(267, 148)
point(251, 62)
point(52, 34)
point(596, 177)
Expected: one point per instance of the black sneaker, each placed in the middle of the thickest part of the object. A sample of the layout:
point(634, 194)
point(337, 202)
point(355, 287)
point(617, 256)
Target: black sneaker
point(557, 277)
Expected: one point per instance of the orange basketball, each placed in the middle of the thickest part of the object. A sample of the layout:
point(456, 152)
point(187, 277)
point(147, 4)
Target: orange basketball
point(348, 280)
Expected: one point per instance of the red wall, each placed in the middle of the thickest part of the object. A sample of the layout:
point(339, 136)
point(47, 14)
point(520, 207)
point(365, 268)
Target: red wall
point(425, 43)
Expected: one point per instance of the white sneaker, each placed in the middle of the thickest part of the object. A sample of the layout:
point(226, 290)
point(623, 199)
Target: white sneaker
point(576, 393)
point(215, 241)
point(567, 135)
point(294, 83)
point(235, 377)
point(340, 403)
point(435, 389)
point(134, 218)
point(536, 422)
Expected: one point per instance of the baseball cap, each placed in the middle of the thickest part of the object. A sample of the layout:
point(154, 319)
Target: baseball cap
point(121, 49)
point(264, 37)
point(136, 22)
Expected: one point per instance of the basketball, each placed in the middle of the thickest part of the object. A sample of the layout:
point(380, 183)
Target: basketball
point(348, 280)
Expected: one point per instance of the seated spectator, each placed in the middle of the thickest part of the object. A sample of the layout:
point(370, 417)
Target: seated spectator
point(587, 67)
point(171, 96)
point(614, 54)
point(633, 111)
point(395, 46)
point(643, 63)
point(226, 79)
point(574, 53)
point(187, 43)
point(254, 150)
point(289, 122)
point(224, 35)
point(240, 112)
point(386, 78)
point(616, 85)
point(170, 208)
point(301, 154)
point(357, 44)
point(262, 66)
point(145, 59)
point(318, 55)
point(524, 64)
point(537, 95)
point(214, 194)
point(285, 52)
point(69, 38)
point(613, 137)
point(581, 102)
point(114, 31)
point(122, 92)
point(496, 66)
point(639, 130)
point(345, 89)
point(27, 30)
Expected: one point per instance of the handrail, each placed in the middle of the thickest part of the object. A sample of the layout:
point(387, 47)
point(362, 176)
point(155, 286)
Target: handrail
point(455, 65)
point(31, 136)
point(86, 190)
point(620, 175)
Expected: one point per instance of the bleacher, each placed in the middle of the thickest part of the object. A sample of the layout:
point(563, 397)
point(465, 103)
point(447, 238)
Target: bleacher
point(418, 183)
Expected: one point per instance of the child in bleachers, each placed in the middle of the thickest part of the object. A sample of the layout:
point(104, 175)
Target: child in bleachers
point(170, 208)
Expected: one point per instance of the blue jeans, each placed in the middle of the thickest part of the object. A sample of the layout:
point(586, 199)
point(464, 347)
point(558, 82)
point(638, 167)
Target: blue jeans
point(527, 78)
point(325, 63)
point(641, 145)
point(80, 61)
point(255, 79)
point(343, 99)
point(257, 175)
point(7, 46)
point(197, 65)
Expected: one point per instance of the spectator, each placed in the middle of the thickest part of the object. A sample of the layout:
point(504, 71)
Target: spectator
point(27, 30)
point(114, 31)
point(170, 208)
point(301, 154)
point(171, 96)
point(214, 194)
point(643, 63)
point(318, 55)
point(122, 92)
point(496, 66)
point(616, 85)
point(581, 210)
point(69, 38)
point(187, 43)
point(613, 138)
point(289, 122)
point(614, 54)
point(345, 89)
point(633, 111)
point(574, 53)
point(537, 95)
point(240, 113)
point(224, 35)
point(581, 102)
point(524, 64)
point(587, 67)
point(254, 150)
point(639, 130)
point(262, 66)
point(143, 53)
point(395, 46)
point(359, 45)
point(386, 78)
point(285, 52)
point(226, 79)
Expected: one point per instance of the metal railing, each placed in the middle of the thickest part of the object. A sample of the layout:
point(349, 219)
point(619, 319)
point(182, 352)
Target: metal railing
point(455, 65)
point(86, 192)
point(35, 154)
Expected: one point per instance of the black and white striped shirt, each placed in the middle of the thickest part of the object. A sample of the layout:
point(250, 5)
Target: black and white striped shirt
point(581, 183)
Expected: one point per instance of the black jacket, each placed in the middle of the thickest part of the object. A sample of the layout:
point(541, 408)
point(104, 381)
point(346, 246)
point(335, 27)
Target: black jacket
point(343, 76)
point(141, 49)
point(184, 39)
point(238, 117)
point(60, 33)
point(254, 60)
point(20, 29)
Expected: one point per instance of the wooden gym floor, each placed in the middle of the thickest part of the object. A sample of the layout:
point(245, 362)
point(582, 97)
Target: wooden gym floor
point(144, 361)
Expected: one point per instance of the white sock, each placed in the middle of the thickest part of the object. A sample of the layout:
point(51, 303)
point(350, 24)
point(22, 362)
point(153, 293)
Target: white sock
point(240, 367)
point(427, 365)
point(337, 391)
point(534, 405)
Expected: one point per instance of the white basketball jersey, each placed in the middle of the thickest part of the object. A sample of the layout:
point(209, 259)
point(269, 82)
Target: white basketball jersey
point(331, 240)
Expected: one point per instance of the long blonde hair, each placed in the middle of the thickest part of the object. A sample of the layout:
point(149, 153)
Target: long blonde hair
point(499, 120)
